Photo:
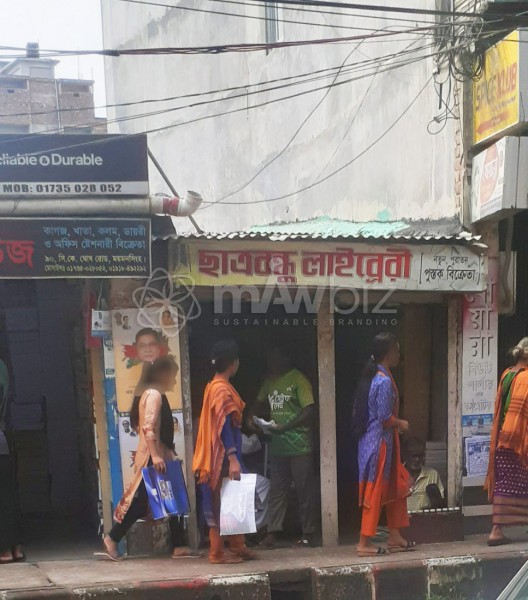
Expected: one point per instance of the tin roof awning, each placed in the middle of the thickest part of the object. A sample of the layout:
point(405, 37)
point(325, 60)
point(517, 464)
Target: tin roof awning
point(328, 229)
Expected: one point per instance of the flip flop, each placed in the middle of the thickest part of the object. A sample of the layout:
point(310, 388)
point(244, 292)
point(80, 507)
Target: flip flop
point(191, 555)
point(19, 559)
point(379, 552)
point(499, 542)
point(409, 547)
point(7, 562)
point(107, 555)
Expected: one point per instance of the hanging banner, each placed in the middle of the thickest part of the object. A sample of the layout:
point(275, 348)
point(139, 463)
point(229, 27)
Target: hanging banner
point(359, 266)
point(137, 342)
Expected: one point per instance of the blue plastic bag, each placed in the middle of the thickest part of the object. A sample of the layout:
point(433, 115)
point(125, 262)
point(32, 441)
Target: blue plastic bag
point(167, 492)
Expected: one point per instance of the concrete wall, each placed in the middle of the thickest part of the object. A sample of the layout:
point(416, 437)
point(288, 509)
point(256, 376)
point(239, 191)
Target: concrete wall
point(409, 173)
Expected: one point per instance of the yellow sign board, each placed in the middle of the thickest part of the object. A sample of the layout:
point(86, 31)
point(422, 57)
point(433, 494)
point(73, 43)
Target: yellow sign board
point(224, 263)
point(496, 95)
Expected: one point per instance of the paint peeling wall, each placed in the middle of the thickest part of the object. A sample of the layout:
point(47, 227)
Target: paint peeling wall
point(408, 173)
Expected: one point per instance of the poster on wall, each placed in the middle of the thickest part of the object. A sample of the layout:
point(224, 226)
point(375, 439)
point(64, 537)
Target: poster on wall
point(139, 340)
point(479, 371)
point(129, 439)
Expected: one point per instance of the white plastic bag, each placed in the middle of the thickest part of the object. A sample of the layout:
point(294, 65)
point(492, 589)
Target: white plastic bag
point(250, 444)
point(237, 505)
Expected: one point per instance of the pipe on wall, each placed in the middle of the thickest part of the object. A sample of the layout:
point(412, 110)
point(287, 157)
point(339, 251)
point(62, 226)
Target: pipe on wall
point(101, 207)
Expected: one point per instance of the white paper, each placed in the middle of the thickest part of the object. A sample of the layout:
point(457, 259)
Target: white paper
point(237, 506)
point(264, 425)
point(477, 455)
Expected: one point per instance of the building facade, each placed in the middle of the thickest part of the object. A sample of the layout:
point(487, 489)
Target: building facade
point(286, 130)
point(33, 100)
point(307, 141)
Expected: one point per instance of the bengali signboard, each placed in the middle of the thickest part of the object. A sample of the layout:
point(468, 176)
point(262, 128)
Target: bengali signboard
point(73, 165)
point(359, 266)
point(499, 93)
point(479, 361)
point(74, 248)
point(499, 179)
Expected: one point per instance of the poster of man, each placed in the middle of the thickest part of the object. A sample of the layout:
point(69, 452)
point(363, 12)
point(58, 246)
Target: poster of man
point(135, 345)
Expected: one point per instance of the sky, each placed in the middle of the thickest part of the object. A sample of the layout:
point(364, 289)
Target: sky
point(59, 24)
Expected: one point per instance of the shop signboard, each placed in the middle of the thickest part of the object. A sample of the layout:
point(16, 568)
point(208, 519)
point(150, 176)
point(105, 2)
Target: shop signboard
point(448, 268)
point(74, 248)
point(479, 363)
point(500, 179)
point(501, 92)
point(73, 165)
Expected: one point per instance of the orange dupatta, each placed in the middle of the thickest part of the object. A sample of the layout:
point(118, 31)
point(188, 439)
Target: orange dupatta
point(220, 400)
point(514, 432)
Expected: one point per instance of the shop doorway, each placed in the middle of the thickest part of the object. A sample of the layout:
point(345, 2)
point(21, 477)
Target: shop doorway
point(50, 415)
point(421, 379)
point(255, 333)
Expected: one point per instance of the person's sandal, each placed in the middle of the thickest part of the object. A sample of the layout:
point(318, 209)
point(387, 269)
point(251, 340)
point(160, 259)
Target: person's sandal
point(107, 553)
point(228, 559)
point(378, 552)
point(409, 547)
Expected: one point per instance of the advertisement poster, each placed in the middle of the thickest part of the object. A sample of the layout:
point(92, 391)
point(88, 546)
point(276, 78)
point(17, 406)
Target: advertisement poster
point(477, 455)
point(129, 439)
point(138, 339)
point(109, 359)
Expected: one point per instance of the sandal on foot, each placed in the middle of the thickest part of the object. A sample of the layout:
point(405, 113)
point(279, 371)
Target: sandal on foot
point(379, 551)
point(107, 553)
point(246, 554)
point(409, 547)
point(227, 560)
point(499, 542)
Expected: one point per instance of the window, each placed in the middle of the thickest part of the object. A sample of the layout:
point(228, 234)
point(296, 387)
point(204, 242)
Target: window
point(75, 88)
point(77, 130)
point(10, 83)
point(272, 22)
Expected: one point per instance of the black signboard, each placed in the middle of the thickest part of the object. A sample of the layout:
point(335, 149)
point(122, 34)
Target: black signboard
point(73, 165)
point(68, 248)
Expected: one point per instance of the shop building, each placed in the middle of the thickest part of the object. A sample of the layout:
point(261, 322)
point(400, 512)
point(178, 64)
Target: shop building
point(76, 228)
point(327, 295)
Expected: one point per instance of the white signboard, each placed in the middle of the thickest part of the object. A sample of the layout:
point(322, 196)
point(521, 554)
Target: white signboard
point(500, 179)
point(479, 351)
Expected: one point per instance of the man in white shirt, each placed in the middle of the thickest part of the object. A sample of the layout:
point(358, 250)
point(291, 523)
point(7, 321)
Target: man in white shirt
point(427, 491)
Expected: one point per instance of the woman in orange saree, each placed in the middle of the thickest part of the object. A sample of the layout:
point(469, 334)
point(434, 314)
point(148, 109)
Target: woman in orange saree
point(383, 480)
point(507, 480)
point(218, 452)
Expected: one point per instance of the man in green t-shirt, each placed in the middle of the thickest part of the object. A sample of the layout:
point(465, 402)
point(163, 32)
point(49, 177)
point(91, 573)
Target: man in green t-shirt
point(289, 395)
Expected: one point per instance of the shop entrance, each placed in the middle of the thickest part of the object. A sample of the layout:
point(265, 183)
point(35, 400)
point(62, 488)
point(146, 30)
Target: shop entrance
point(255, 333)
point(50, 416)
point(421, 379)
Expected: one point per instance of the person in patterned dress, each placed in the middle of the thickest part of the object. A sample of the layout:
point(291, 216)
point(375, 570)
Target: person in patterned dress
point(383, 480)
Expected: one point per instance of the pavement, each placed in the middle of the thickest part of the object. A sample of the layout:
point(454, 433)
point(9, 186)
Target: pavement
point(468, 570)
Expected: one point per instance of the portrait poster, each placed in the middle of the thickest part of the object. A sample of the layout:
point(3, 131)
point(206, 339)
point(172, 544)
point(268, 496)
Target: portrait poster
point(140, 337)
point(129, 439)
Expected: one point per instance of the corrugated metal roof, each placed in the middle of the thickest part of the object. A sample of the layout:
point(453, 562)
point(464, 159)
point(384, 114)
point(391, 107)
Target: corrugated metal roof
point(325, 228)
